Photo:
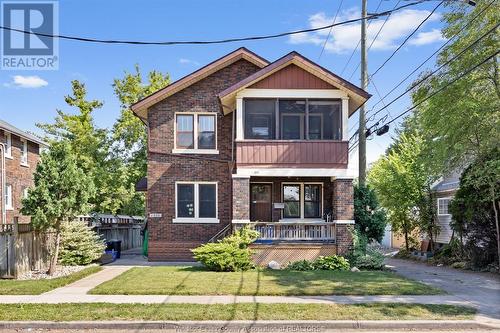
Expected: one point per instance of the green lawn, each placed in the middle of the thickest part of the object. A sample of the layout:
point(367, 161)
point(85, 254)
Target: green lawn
point(37, 287)
point(197, 281)
point(237, 311)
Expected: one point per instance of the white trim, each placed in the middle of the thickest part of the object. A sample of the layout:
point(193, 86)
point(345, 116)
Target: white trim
point(240, 221)
point(444, 198)
point(195, 150)
point(302, 202)
point(291, 93)
point(240, 176)
point(239, 119)
point(345, 118)
point(297, 172)
point(24, 152)
point(344, 221)
point(8, 145)
point(196, 201)
point(9, 202)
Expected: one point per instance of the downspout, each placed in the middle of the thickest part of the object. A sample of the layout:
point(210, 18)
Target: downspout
point(4, 214)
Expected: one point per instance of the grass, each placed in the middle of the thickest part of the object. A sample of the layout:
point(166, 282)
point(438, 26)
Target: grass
point(237, 311)
point(198, 281)
point(37, 287)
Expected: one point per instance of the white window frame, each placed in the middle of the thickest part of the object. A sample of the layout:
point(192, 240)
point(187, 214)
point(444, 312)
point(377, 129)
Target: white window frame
point(8, 197)
point(24, 152)
point(25, 192)
point(438, 210)
point(194, 150)
point(8, 145)
point(302, 201)
point(196, 219)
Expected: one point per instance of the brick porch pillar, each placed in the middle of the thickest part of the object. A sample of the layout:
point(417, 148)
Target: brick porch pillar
point(241, 198)
point(343, 213)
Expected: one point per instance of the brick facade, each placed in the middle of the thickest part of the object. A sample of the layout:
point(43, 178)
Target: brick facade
point(343, 208)
point(241, 198)
point(18, 175)
point(173, 241)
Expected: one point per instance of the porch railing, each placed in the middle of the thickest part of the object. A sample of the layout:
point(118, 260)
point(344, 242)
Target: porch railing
point(292, 231)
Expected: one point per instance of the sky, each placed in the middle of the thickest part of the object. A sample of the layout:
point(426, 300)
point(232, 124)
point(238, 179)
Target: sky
point(30, 97)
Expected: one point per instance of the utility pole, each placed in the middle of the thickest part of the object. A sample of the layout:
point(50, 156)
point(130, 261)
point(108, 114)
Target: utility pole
point(364, 82)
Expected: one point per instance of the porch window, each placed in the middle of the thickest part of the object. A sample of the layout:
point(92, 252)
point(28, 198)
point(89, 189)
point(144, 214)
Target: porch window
point(291, 199)
point(196, 202)
point(260, 119)
point(325, 120)
point(185, 131)
point(312, 200)
point(292, 119)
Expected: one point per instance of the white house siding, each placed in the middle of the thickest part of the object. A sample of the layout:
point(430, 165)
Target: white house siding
point(445, 231)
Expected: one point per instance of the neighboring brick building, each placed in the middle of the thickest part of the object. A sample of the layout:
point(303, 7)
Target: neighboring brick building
point(244, 141)
point(20, 153)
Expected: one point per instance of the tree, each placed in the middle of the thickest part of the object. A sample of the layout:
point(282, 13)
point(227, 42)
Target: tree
point(62, 190)
point(369, 217)
point(129, 134)
point(401, 181)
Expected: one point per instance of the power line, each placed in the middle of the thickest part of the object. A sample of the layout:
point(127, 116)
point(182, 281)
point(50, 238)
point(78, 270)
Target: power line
point(447, 85)
point(202, 42)
point(458, 55)
point(428, 58)
point(357, 45)
point(406, 39)
point(331, 28)
point(373, 40)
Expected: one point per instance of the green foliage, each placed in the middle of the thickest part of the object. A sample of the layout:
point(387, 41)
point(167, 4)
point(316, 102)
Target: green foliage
point(80, 245)
point(370, 218)
point(230, 254)
point(474, 219)
point(363, 256)
point(329, 263)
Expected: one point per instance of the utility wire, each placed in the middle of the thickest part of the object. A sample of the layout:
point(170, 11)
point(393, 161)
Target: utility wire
point(201, 42)
point(331, 28)
point(359, 42)
point(458, 55)
point(428, 58)
point(406, 40)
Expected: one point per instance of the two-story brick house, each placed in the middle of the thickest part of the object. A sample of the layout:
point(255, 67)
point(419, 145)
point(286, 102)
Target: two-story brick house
point(245, 141)
point(19, 155)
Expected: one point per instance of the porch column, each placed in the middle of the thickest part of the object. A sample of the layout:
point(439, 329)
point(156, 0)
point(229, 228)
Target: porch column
point(241, 198)
point(343, 212)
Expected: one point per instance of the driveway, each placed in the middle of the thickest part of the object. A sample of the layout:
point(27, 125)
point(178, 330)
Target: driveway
point(482, 290)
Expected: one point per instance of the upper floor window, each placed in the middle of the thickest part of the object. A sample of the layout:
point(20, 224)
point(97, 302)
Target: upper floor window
point(195, 133)
point(24, 152)
point(288, 119)
point(443, 205)
point(8, 145)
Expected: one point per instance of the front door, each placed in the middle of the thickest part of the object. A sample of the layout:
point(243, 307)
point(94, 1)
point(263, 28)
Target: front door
point(260, 202)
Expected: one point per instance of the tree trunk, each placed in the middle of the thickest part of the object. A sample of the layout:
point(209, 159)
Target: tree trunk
point(53, 260)
point(498, 228)
point(406, 241)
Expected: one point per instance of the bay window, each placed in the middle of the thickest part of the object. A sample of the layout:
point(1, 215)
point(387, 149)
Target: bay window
point(195, 133)
point(292, 119)
point(196, 202)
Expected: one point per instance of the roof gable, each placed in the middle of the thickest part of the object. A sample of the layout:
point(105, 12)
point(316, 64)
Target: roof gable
point(140, 108)
point(292, 77)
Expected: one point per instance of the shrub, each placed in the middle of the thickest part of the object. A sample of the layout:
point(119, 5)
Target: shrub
point(230, 254)
point(80, 245)
point(373, 259)
point(331, 263)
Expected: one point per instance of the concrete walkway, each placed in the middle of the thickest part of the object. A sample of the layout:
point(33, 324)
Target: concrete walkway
point(480, 290)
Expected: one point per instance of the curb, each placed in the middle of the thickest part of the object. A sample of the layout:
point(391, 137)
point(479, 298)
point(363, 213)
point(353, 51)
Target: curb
point(254, 326)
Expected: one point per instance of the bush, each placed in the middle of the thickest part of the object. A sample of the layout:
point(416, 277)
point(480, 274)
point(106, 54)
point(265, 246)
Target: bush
point(230, 254)
point(80, 245)
point(330, 263)
point(369, 216)
point(363, 256)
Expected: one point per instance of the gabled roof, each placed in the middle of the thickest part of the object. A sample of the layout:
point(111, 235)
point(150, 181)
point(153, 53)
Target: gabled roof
point(25, 135)
point(141, 106)
point(357, 95)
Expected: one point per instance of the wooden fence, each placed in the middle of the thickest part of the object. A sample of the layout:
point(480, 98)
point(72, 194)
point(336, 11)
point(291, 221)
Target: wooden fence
point(23, 249)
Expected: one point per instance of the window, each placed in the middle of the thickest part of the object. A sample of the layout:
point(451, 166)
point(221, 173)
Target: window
point(291, 199)
point(196, 133)
point(284, 119)
point(25, 192)
point(196, 202)
point(260, 119)
point(24, 152)
point(302, 200)
point(443, 204)
point(206, 132)
point(8, 145)
point(8, 196)
point(185, 131)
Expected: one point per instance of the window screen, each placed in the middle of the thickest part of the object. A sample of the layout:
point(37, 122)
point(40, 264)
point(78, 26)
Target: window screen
point(260, 119)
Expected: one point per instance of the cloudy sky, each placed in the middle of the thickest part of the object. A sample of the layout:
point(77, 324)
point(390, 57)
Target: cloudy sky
point(28, 97)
